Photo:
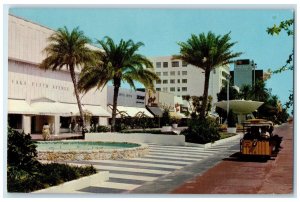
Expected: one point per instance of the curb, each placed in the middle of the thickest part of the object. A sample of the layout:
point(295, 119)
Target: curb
point(209, 145)
point(75, 185)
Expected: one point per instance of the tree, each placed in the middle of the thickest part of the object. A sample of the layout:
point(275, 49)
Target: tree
point(68, 50)
point(117, 63)
point(207, 52)
point(246, 92)
point(287, 26)
point(233, 93)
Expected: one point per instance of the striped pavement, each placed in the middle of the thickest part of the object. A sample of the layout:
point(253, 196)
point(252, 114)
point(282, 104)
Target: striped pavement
point(128, 174)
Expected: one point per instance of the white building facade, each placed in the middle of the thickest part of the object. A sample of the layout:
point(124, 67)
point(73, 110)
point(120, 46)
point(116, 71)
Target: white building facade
point(130, 102)
point(181, 79)
point(36, 96)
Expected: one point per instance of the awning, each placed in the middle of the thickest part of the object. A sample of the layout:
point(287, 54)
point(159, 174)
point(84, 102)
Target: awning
point(156, 111)
point(96, 110)
point(19, 107)
point(53, 108)
point(134, 111)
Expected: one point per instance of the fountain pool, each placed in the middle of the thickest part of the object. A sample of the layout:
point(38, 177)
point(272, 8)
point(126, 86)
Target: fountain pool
point(88, 150)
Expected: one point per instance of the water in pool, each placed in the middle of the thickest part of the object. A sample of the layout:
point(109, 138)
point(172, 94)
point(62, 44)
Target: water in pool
point(81, 145)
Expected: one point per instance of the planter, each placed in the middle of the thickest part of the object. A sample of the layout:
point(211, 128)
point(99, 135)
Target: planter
point(231, 130)
point(174, 125)
point(166, 129)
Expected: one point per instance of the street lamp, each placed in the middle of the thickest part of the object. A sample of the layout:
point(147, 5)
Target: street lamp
point(228, 80)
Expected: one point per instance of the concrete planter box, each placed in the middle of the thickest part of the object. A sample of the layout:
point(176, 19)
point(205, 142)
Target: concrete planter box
point(166, 129)
point(74, 185)
point(172, 140)
point(209, 145)
point(231, 130)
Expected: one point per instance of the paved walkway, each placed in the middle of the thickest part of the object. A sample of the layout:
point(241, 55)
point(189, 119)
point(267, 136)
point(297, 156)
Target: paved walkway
point(143, 175)
point(233, 176)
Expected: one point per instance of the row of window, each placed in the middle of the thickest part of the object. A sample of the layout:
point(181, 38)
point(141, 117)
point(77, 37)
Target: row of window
point(127, 95)
point(173, 64)
point(172, 73)
point(165, 81)
point(172, 89)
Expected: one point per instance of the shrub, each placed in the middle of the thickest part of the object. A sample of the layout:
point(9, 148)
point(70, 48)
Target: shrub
point(21, 150)
point(26, 174)
point(165, 119)
point(201, 131)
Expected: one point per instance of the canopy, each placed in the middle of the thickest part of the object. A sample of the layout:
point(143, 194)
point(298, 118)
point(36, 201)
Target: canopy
point(96, 110)
point(19, 107)
point(240, 106)
point(156, 111)
point(53, 108)
point(133, 111)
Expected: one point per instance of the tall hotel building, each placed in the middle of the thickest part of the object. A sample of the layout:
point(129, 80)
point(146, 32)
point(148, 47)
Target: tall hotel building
point(180, 78)
point(36, 96)
point(245, 73)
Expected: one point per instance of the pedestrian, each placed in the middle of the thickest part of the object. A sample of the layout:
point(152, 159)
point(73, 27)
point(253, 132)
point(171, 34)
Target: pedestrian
point(46, 131)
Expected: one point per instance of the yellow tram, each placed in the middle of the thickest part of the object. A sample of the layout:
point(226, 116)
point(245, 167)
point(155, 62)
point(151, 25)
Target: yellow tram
point(257, 140)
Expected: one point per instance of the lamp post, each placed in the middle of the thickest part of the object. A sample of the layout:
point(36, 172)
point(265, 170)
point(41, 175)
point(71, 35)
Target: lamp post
point(228, 80)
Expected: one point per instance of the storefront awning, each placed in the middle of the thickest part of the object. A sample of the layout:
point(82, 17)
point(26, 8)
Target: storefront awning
point(52, 108)
point(96, 110)
point(156, 111)
point(134, 111)
point(19, 107)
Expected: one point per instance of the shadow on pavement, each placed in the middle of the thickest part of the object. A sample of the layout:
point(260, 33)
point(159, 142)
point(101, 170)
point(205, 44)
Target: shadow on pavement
point(237, 156)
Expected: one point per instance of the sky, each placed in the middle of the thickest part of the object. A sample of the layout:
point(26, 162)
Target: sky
point(160, 29)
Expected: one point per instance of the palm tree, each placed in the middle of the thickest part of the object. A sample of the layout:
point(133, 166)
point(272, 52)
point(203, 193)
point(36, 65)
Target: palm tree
point(68, 50)
point(118, 63)
point(207, 52)
point(246, 92)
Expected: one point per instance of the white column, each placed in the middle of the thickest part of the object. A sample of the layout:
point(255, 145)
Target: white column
point(26, 124)
point(56, 124)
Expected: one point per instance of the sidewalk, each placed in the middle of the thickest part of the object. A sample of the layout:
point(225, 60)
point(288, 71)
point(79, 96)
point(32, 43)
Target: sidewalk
point(233, 176)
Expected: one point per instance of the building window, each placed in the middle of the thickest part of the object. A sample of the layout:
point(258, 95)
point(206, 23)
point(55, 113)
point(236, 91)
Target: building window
point(172, 89)
point(165, 89)
point(158, 89)
point(184, 89)
point(158, 73)
point(165, 81)
point(172, 81)
point(178, 89)
point(178, 80)
point(184, 73)
point(184, 80)
point(158, 64)
point(165, 64)
point(158, 82)
point(172, 73)
point(175, 64)
point(178, 72)
point(184, 64)
point(165, 73)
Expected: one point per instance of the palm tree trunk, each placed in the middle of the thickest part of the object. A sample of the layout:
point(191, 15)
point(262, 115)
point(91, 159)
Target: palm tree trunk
point(205, 94)
point(73, 76)
point(115, 102)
